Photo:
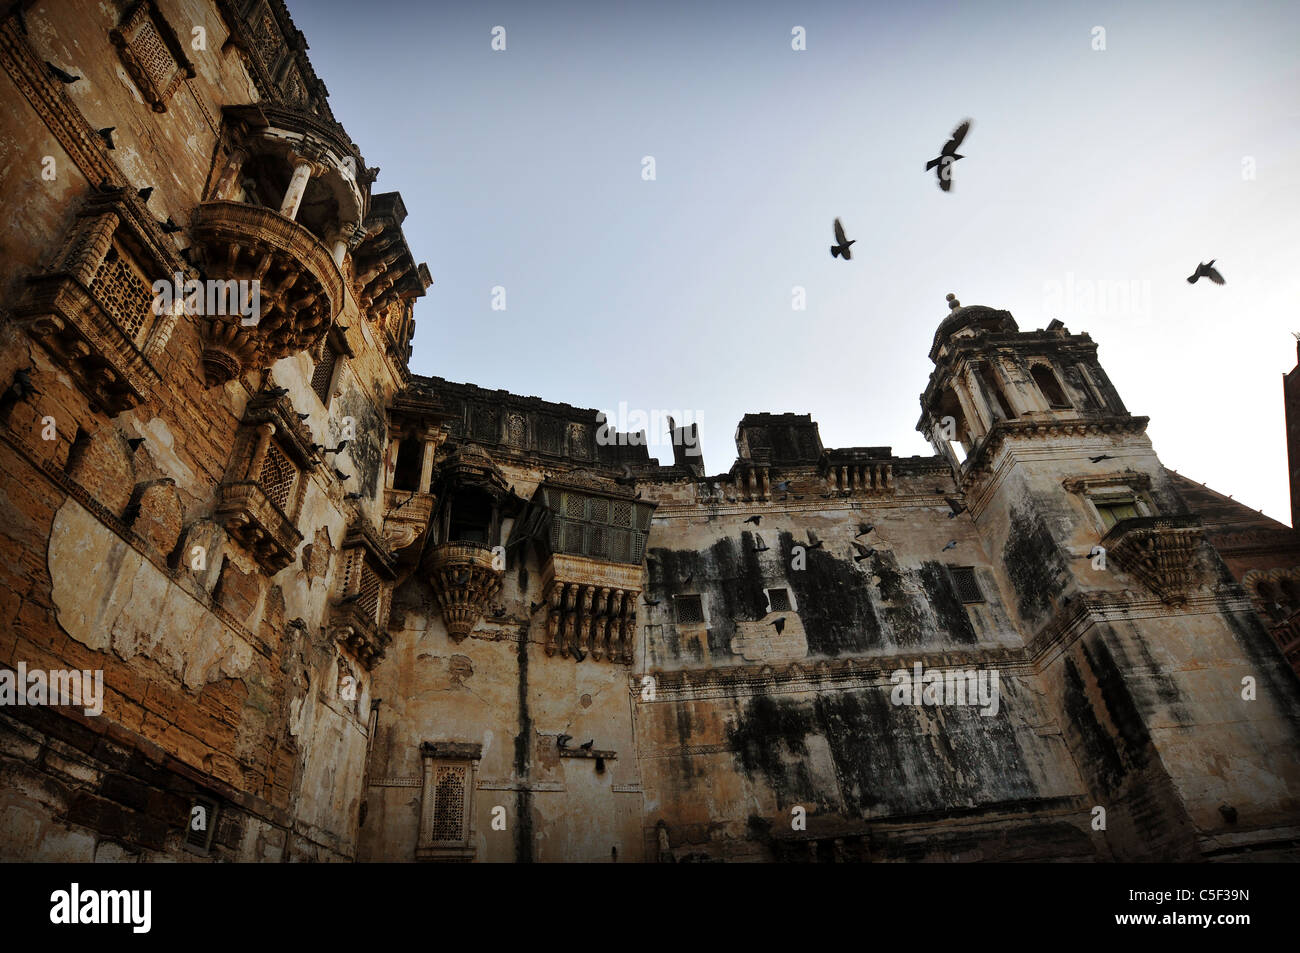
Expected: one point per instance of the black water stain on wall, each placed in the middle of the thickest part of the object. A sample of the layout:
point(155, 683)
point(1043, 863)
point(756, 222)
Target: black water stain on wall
point(1033, 564)
point(523, 740)
point(833, 600)
point(948, 609)
point(366, 451)
point(1100, 756)
point(768, 740)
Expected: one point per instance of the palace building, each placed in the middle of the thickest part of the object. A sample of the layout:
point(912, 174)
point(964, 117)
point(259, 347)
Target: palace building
point(344, 612)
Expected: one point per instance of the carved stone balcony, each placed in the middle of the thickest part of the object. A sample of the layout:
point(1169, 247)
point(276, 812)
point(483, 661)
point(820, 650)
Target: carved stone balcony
point(253, 520)
point(406, 516)
point(591, 608)
point(353, 624)
point(301, 289)
point(464, 580)
point(1158, 550)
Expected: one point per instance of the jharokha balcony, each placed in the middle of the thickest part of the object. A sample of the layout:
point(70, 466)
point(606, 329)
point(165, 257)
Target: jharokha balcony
point(257, 523)
point(301, 288)
point(465, 579)
point(1158, 550)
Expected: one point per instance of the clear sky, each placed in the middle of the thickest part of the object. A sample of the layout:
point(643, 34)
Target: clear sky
point(1104, 171)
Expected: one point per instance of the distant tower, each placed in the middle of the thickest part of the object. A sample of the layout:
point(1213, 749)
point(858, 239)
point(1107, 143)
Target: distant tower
point(1126, 611)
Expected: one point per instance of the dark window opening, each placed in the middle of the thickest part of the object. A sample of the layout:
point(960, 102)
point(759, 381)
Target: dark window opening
point(1050, 387)
point(779, 600)
point(410, 458)
point(80, 444)
point(994, 391)
point(323, 375)
point(967, 586)
point(471, 517)
point(690, 609)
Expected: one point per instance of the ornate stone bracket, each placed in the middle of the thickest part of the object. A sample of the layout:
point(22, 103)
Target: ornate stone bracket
point(1159, 550)
point(591, 608)
point(464, 581)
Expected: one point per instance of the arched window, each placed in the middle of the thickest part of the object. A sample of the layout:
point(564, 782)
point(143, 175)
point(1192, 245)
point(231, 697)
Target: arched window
point(1049, 386)
point(993, 390)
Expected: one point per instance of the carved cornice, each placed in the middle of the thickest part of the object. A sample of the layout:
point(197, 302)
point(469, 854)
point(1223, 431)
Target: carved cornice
point(980, 461)
point(464, 580)
point(1128, 478)
point(1158, 550)
point(253, 519)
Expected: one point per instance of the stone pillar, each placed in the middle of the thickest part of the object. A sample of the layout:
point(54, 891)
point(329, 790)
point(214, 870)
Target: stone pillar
point(426, 465)
point(297, 186)
point(264, 434)
point(390, 465)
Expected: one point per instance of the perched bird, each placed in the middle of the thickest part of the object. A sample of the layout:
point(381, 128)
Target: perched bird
point(826, 496)
point(169, 227)
point(782, 487)
point(108, 188)
point(351, 496)
point(841, 247)
point(1206, 270)
point(1098, 459)
point(1229, 813)
point(341, 475)
point(952, 544)
point(779, 623)
point(339, 449)
point(942, 164)
point(638, 495)
point(144, 193)
point(731, 499)
point(59, 74)
point(956, 507)
point(762, 547)
point(562, 741)
point(586, 745)
point(303, 416)
point(649, 602)
point(21, 386)
point(352, 598)
point(534, 606)
point(276, 391)
point(134, 443)
point(864, 552)
point(498, 612)
point(107, 135)
point(755, 520)
point(864, 529)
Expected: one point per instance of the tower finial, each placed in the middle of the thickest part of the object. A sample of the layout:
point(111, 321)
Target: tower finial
point(953, 303)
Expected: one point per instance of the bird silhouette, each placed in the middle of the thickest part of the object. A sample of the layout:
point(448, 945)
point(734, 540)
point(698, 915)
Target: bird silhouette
point(826, 496)
point(276, 391)
point(864, 529)
point(841, 247)
point(107, 135)
point(498, 612)
point(562, 741)
point(21, 386)
point(761, 546)
point(60, 75)
point(303, 416)
point(341, 475)
point(864, 552)
point(1206, 270)
point(169, 227)
point(144, 193)
point(534, 606)
point(755, 520)
point(942, 164)
point(687, 580)
point(782, 487)
point(956, 507)
point(813, 541)
point(650, 602)
point(108, 188)
point(586, 745)
point(1098, 459)
point(779, 623)
point(952, 544)
point(351, 496)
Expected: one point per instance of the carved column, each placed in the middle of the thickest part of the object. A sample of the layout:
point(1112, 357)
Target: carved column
point(554, 618)
point(297, 186)
point(426, 464)
point(264, 433)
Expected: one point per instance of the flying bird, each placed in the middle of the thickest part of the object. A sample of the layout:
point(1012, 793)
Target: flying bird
point(649, 602)
point(1098, 459)
point(779, 623)
point(107, 135)
point(956, 507)
point(762, 547)
point(755, 520)
point(341, 475)
point(145, 193)
point(59, 74)
point(952, 544)
point(813, 541)
point(864, 552)
point(169, 227)
point(1206, 270)
point(864, 529)
point(942, 164)
point(841, 247)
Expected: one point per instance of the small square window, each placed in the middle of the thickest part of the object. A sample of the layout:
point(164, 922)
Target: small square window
point(690, 609)
point(967, 586)
point(778, 600)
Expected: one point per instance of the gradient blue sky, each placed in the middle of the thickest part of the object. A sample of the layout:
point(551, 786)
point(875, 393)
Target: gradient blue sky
point(523, 169)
